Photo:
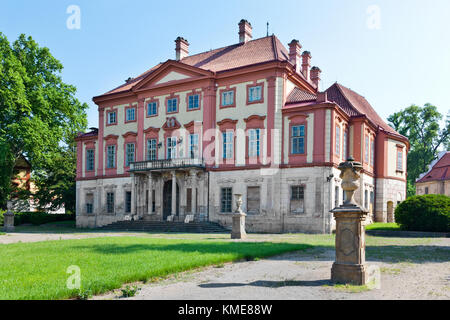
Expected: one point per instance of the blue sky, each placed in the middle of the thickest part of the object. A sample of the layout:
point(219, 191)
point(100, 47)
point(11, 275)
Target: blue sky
point(404, 61)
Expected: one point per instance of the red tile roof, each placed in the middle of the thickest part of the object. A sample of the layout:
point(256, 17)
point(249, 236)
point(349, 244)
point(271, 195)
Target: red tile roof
point(235, 56)
point(355, 105)
point(298, 95)
point(440, 170)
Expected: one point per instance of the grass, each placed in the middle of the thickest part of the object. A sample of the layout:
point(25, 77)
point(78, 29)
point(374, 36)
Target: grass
point(351, 288)
point(2, 233)
point(383, 226)
point(38, 270)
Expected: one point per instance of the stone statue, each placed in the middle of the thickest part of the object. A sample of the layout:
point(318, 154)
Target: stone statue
point(8, 218)
point(238, 229)
point(350, 266)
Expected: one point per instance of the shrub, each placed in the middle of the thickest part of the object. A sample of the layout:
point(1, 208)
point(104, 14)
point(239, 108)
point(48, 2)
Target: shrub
point(37, 218)
point(130, 291)
point(424, 213)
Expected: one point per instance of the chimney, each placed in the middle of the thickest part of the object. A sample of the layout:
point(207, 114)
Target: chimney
point(306, 64)
point(245, 31)
point(295, 48)
point(181, 48)
point(315, 76)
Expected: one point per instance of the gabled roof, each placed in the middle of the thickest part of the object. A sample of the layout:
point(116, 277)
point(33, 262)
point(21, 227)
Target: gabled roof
point(355, 105)
point(439, 169)
point(230, 57)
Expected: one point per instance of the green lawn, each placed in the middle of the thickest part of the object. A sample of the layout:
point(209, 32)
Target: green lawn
point(383, 226)
point(38, 270)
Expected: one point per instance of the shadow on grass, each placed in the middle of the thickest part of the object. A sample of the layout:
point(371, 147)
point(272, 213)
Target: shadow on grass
point(271, 284)
point(247, 249)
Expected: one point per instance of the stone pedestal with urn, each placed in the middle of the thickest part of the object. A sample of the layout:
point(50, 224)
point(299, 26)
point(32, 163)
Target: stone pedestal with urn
point(8, 219)
point(350, 265)
point(238, 229)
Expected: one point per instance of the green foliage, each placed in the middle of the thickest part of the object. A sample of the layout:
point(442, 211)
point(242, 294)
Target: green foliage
point(424, 213)
point(421, 126)
point(37, 218)
point(39, 115)
point(129, 291)
point(83, 294)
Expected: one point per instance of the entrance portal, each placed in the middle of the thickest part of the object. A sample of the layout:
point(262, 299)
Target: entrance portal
point(167, 199)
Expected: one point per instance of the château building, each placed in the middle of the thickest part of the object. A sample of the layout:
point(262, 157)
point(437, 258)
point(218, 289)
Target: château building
point(187, 135)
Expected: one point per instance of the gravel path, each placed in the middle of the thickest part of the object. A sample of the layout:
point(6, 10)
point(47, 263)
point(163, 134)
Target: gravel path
point(299, 276)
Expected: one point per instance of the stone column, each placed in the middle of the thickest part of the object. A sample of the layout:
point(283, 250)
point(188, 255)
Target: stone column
point(194, 192)
point(150, 195)
point(238, 229)
point(8, 218)
point(350, 265)
point(133, 194)
point(174, 193)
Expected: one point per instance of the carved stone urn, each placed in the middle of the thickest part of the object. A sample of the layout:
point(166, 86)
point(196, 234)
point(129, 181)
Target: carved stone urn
point(350, 266)
point(238, 229)
point(8, 218)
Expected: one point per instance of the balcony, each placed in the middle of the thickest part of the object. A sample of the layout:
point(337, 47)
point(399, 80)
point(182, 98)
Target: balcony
point(169, 164)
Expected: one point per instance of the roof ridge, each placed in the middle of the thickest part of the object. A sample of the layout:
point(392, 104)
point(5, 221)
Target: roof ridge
point(338, 85)
point(275, 49)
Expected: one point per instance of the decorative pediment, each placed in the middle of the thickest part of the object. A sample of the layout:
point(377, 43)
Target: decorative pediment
point(171, 72)
point(152, 130)
point(130, 134)
point(171, 124)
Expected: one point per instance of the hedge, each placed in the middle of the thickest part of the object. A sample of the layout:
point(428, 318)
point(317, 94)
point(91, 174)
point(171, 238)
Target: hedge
point(37, 218)
point(424, 213)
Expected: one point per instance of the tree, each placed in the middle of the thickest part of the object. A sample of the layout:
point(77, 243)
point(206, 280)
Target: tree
point(39, 116)
point(421, 126)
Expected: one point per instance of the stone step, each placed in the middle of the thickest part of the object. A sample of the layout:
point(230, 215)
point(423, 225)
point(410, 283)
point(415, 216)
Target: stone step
point(160, 226)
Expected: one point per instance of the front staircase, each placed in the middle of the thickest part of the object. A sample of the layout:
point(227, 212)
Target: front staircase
point(163, 226)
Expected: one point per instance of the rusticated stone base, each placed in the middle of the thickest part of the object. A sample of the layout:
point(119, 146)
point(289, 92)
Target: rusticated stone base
point(354, 274)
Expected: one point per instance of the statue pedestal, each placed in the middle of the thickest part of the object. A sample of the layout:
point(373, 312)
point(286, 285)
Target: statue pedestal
point(238, 230)
point(350, 265)
point(8, 222)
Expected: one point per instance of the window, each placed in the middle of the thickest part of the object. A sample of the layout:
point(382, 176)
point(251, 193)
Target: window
point(172, 105)
point(194, 102)
point(129, 158)
point(253, 200)
point(399, 159)
point(110, 202)
point(372, 152)
point(152, 150)
point(111, 157)
point(254, 142)
point(254, 94)
point(193, 146)
point(171, 148)
point(152, 109)
point(227, 98)
point(128, 201)
point(426, 190)
point(298, 139)
point(344, 146)
point(297, 199)
point(112, 117)
point(89, 203)
point(366, 199)
point(225, 199)
point(338, 141)
point(131, 114)
point(90, 159)
point(366, 150)
point(227, 145)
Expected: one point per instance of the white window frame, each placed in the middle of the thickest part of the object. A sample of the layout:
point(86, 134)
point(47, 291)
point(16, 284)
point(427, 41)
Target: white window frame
point(254, 142)
point(170, 105)
point(194, 102)
point(227, 148)
point(90, 161)
point(193, 146)
point(228, 98)
point(255, 93)
point(112, 116)
point(152, 109)
point(152, 149)
point(130, 154)
point(130, 112)
point(111, 155)
point(171, 147)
